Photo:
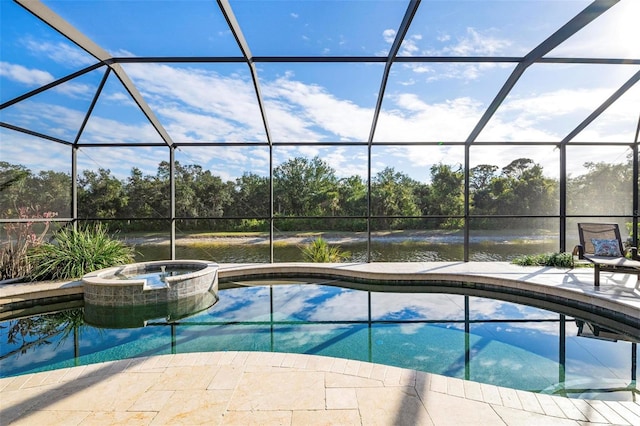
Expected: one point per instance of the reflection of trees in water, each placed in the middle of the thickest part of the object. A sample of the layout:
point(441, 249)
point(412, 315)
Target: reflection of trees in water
point(35, 331)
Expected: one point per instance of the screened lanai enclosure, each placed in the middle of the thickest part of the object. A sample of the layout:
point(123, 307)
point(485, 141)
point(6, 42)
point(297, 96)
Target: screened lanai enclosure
point(238, 131)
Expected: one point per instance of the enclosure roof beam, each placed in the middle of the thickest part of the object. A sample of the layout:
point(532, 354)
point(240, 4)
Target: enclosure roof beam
point(393, 52)
point(234, 26)
point(591, 12)
point(42, 12)
point(621, 91)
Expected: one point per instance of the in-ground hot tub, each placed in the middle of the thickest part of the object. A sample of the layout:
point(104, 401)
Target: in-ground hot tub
point(126, 316)
point(149, 283)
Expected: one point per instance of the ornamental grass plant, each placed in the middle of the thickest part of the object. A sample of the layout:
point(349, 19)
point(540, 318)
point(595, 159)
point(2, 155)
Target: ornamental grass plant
point(319, 251)
point(75, 252)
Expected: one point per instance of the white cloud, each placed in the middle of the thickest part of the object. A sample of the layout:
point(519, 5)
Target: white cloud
point(204, 105)
point(420, 68)
point(62, 53)
point(472, 43)
point(545, 116)
point(28, 76)
point(293, 126)
point(120, 160)
point(187, 126)
point(389, 35)
point(341, 162)
point(408, 118)
point(616, 33)
point(309, 107)
point(76, 90)
point(409, 82)
point(35, 78)
point(207, 106)
point(35, 153)
point(476, 43)
point(302, 112)
point(308, 151)
point(227, 162)
point(52, 120)
point(617, 123)
point(345, 161)
point(122, 53)
point(106, 130)
point(547, 156)
point(259, 158)
point(117, 97)
point(409, 47)
point(294, 15)
point(547, 105)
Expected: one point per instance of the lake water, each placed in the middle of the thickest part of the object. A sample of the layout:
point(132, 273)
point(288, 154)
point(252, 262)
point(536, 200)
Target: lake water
point(401, 251)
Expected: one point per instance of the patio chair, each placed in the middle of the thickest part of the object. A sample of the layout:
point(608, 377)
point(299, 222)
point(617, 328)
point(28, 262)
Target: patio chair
point(601, 244)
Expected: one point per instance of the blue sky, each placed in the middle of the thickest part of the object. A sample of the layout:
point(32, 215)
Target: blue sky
point(316, 102)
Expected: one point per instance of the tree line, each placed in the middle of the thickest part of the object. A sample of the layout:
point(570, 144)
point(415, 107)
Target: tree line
point(307, 193)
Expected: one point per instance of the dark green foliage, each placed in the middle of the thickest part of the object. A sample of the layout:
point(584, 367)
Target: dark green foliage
point(392, 194)
point(20, 188)
point(309, 189)
point(519, 188)
point(76, 252)
point(605, 189)
point(446, 195)
point(559, 260)
point(305, 187)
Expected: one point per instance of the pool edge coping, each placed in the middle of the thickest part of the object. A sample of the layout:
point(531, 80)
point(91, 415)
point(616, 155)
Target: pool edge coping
point(537, 280)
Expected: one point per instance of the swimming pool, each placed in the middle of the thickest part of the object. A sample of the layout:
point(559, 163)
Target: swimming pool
point(458, 334)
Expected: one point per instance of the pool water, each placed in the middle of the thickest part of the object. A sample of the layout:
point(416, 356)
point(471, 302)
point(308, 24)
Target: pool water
point(155, 279)
point(457, 335)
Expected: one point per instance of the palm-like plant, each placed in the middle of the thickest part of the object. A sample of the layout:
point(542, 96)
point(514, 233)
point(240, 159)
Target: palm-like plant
point(318, 251)
point(78, 251)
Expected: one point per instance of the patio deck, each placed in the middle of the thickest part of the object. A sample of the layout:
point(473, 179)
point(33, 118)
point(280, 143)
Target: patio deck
point(274, 388)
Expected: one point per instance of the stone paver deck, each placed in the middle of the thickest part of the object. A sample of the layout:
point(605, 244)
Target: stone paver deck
point(245, 388)
point(266, 388)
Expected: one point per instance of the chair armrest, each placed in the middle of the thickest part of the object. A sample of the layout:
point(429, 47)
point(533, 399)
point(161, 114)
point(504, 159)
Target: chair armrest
point(578, 251)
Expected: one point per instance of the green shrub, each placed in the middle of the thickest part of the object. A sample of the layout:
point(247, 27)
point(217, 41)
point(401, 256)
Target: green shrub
point(76, 252)
point(318, 251)
point(560, 260)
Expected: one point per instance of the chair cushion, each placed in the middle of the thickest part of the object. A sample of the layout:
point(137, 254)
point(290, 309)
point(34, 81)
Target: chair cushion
point(609, 248)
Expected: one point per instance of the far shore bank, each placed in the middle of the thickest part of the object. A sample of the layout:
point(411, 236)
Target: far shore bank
point(346, 238)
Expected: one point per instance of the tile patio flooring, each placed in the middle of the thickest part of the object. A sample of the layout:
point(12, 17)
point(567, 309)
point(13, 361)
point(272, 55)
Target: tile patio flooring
point(244, 388)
